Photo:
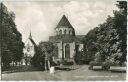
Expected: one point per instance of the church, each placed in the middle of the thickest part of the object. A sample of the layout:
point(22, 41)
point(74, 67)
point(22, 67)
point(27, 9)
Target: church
point(67, 42)
point(29, 50)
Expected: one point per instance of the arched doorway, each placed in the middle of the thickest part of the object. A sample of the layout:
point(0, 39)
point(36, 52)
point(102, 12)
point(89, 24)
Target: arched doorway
point(67, 51)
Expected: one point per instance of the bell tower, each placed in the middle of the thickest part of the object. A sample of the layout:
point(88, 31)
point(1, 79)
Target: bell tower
point(64, 27)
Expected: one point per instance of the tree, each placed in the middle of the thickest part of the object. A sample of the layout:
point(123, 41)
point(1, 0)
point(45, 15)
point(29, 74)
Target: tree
point(121, 26)
point(108, 40)
point(47, 49)
point(12, 45)
point(89, 48)
point(39, 59)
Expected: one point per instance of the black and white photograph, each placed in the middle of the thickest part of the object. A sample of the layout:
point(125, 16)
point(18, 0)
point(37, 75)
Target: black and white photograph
point(63, 40)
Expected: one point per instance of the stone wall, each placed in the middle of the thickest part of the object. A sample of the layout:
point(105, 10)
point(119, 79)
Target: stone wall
point(61, 49)
point(64, 31)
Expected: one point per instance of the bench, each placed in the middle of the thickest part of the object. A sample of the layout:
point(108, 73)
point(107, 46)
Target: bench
point(118, 69)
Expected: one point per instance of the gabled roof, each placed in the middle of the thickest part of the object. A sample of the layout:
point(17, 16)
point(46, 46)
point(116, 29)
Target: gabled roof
point(30, 38)
point(33, 42)
point(64, 22)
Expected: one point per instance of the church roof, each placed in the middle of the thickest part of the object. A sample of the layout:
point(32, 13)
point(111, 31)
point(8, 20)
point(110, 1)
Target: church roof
point(63, 38)
point(30, 39)
point(64, 22)
point(33, 42)
point(77, 38)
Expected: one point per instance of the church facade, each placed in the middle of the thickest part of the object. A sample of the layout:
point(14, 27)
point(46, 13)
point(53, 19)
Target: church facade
point(29, 51)
point(67, 42)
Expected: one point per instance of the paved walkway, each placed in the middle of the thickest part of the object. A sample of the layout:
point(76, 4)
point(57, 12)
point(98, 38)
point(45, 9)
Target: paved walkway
point(82, 73)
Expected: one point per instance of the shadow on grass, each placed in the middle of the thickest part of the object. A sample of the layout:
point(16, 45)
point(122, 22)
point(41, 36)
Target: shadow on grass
point(8, 72)
point(66, 68)
point(16, 69)
point(98, 69)
point(111, 70)
point(63, 68)
point(118, 71)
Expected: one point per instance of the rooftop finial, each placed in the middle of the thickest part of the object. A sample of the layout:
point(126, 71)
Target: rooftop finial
point(30, 36)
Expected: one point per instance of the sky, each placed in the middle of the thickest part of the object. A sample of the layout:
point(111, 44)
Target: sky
point(40, 17)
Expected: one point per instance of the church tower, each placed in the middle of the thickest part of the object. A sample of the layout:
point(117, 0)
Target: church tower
point(66, 41)
point(64, 27)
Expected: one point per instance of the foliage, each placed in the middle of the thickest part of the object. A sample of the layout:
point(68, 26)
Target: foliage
point(121, 26)
point(45, 51)
point(108, 40)
point(79, 57)
point(39, 59)
point(12, 44)
point(89, 48)
point(64, 62)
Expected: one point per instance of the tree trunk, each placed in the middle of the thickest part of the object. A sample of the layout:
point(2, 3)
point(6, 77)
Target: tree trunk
point(48, 64)
point(45, 65)
point(13, 63)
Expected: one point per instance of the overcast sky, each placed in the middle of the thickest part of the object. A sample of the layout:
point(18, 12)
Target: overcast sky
point(41, 17)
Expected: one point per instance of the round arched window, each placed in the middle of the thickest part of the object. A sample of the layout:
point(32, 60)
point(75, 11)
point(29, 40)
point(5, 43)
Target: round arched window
point(65, 31)
point(70, 32)
point(60, 32)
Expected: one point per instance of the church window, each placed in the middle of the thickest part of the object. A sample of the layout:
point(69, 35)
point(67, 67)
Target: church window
point(70, 32)
point(60, 31)
point(67, 51)
point(65, 31)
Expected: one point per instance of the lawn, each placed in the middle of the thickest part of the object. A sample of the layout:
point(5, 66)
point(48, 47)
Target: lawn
point(80, 72)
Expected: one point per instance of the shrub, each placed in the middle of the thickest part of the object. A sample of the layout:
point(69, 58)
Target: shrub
point(94, 63)
point(67, 62)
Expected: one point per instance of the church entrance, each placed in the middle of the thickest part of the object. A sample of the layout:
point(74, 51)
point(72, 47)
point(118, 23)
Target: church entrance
point(67, 51)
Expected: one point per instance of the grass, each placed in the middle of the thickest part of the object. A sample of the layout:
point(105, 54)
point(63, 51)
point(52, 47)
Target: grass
point(20, 69)
point(80, 73)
